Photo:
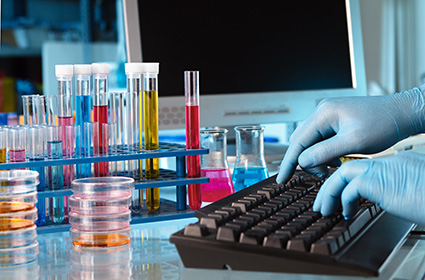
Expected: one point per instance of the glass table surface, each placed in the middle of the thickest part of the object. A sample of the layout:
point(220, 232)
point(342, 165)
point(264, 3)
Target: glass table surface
point(152, 256)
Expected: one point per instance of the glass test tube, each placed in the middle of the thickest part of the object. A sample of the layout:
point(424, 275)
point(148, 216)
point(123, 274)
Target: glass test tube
point(150, 119)
point(3, 145)
point(50, 107)
point(134, 87)
point(64, 74)
point(17, 144)
point(113, 166)
point(191, 85)
point(30, 107)
point(91, 136)
point(100, 108)
point(120, 119)
point(36, 152)
point(55, 175)
point(65, 119)
point(83, 106)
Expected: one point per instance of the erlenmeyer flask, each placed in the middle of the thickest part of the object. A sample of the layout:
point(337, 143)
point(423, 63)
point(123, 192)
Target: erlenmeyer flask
point(250, 165)
point(214, 165)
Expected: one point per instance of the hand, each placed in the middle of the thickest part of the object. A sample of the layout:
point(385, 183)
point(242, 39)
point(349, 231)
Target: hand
point(342, 126)
point(396, 184)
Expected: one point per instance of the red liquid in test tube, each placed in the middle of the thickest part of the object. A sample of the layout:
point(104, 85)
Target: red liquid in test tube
point(100, 115)
point(193, 136)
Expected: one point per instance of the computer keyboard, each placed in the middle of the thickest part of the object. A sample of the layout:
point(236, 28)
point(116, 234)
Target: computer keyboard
point(271, 227)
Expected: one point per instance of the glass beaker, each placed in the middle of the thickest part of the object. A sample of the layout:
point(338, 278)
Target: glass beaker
point(250, 165)
point(214, 165)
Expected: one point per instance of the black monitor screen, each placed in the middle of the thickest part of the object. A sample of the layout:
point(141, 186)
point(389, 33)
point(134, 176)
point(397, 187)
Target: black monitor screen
point(247, 46)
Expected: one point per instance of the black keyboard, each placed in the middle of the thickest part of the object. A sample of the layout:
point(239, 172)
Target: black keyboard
point(272, 227)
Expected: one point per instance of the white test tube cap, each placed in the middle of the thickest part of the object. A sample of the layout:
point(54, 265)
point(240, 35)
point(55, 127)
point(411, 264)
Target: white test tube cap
point(82, 69)
point(150, 67)
point(62, 70)
point(133, 68)
point(100, 68)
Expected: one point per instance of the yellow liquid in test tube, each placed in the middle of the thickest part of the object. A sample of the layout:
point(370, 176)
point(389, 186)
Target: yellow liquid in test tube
point(150, 118)
point(3, 155)
point(102, 240)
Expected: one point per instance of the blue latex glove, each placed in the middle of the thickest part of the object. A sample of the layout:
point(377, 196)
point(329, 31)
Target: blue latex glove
point(342, 126)
point(396, 184)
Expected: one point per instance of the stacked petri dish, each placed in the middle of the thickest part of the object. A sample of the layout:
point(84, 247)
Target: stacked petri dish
point(18, 196)
point(100, 215)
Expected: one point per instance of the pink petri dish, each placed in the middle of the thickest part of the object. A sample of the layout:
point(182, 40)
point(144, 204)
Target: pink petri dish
point(100, 199)
point(94, 185)
point(17, 238)
point(100, 219)
point(14, 182)
point(98, 240)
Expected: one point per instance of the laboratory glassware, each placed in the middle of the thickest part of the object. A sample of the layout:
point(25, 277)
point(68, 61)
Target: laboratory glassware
point(100, 108)
point(17, 143)
point(3, 145)
point(116, 114)
point(100, 216)
point(83, 106)
point(214, 165)
point(193, 163)
point(65, 119)
point(31, 109)
point(133, 72)
point(150, 119)
point(250, 165)
point(55, 174)
point(91, 140)
point(50, 105)
point(36, 145)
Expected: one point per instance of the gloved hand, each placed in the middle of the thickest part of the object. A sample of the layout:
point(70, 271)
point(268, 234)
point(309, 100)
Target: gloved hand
point(396, 184)
point(342, 126)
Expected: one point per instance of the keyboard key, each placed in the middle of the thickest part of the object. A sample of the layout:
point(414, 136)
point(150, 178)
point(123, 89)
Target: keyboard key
point(300, 243)
point(267, 193)
point(290, 198)
point(267, 227)
point(276, 223)
point(196, 230)
point(241, 205)
point(262, 213)
point(243, 225)
point(229, 233)
point(324, 247)
point(253, 237)
point(211, 222)
point(257, 217)
point(276, 241)
point(226, 214)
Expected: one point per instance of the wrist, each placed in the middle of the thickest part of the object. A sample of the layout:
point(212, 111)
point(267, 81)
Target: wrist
point(410, 111)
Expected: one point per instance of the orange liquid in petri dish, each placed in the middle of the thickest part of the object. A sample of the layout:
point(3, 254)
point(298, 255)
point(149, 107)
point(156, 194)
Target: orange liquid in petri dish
point(13, 224)
point(14, 206)
point(101, 240)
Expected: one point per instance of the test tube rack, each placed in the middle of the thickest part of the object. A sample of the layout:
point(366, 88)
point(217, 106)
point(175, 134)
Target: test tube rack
point(169, 209)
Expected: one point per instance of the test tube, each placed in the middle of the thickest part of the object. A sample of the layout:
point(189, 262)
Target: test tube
point(30, 105)
point(65, 119)
point(64, 74)
point(120, 119)
point(150, 118)
point(17, 144)
point(91, 136)
point(3, 145)
point(50, 107)
point(113, 166)
point(83, 104)
point(100, 107)
point(133, 72)
point(191, 93)
point(55, 175)
point(35, 152)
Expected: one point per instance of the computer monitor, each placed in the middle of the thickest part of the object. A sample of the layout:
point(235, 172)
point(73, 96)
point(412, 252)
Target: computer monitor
point(259, 62)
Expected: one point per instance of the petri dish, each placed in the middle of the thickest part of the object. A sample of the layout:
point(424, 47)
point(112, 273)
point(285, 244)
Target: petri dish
point(19, 255)
point(17, 220)
point(111, 185)
point(101, 257)
point(100, 219)
point(105, 239)
point(100, 199)
point(16, 203)
point(18, 238)
point(18, 182)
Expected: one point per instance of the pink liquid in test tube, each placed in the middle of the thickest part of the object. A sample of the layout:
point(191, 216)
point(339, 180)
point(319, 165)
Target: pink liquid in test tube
point(68, 171)
point(17, 155)
point(191, 81)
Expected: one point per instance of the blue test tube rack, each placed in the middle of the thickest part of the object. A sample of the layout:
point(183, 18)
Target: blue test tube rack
point(169, 210)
